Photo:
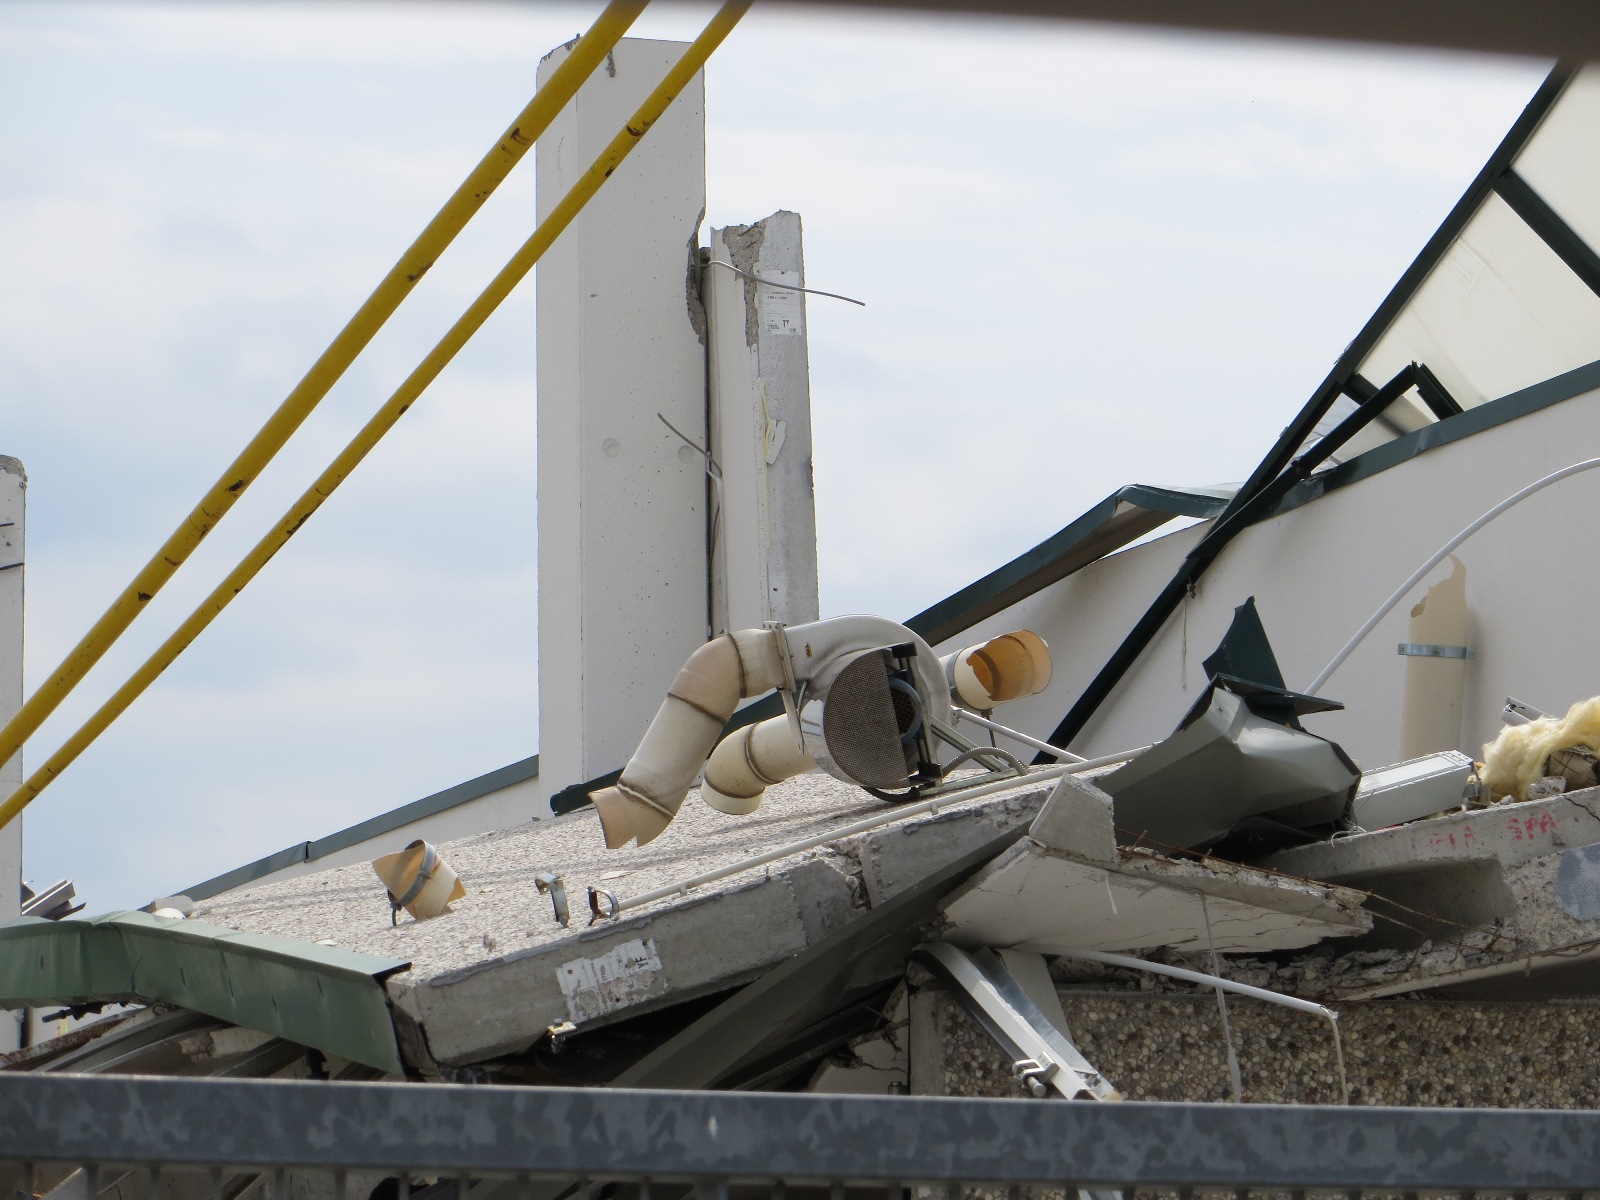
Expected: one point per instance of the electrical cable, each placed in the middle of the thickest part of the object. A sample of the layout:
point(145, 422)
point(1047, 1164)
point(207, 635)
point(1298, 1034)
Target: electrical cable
point(1438, 557)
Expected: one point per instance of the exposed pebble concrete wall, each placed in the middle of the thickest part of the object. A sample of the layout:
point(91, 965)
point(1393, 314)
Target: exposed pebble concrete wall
point(1412, 1052)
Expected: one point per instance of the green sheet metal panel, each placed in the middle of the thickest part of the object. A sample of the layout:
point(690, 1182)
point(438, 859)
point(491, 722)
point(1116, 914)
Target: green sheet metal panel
point(319, 996)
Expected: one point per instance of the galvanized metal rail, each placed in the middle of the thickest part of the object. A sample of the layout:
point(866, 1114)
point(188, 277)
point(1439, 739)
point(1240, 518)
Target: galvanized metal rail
point(485, 1133)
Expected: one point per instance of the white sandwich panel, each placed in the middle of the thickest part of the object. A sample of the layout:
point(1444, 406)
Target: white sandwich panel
point(622, 499)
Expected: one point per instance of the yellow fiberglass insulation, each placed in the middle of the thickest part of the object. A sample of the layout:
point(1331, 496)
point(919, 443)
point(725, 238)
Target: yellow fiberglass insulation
point(1515, 759)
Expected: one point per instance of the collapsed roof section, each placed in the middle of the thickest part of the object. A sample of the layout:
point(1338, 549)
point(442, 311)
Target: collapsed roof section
point(314, 995)
point(1507, 292)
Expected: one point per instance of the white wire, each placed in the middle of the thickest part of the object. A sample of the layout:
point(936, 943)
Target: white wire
point(1404, 589)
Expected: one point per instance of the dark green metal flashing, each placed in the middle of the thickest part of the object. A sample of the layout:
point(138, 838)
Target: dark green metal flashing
point(1122, 517)
point(1441, 433)
point(1565, 241)
point(319, 996)
point(451, 797)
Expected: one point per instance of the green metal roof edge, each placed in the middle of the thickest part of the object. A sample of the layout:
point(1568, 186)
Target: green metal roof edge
point(320, 996)
point(1127, 514)
point(450, 797)
point(1567, 386)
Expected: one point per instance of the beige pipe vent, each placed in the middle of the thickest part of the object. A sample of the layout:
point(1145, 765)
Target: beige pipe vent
point(717, 676)
point(1007, 667)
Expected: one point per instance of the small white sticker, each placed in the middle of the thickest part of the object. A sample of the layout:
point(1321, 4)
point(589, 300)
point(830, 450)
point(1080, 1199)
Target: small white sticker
point(782, 309)
point(595, 986)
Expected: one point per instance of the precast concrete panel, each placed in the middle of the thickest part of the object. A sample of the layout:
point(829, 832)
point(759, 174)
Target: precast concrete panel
point(622, 499)
point(764, 559)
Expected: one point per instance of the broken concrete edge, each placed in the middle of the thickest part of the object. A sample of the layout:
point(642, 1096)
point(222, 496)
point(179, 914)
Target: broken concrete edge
point(690, 946)
point(324, 997)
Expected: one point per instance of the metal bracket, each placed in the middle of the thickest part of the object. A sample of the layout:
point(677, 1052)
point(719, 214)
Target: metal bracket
point(602, 904)
point(1429, 650)
point(550, 882)
point(1033, 1075)
point(559, 1033)
point(789, 693)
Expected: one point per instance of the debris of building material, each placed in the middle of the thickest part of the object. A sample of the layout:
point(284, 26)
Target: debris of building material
point(51, 903)
point(1068, 882)
point(1486, 902)
point(1416, 788)
point(1562, 750)
point(323, 997)
point(1239, 753)
point(419, 881)
point(486, 980)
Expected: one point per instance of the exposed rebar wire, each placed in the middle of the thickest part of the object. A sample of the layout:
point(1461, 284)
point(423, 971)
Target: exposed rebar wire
point(792, 287)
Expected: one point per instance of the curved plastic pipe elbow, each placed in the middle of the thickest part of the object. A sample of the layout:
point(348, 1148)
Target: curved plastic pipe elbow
point(749, 761)
point(709, 687)
point(1007, 667)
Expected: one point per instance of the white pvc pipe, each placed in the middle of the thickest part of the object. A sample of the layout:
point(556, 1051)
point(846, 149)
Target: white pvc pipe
point(894, 814)
point(1421, 573)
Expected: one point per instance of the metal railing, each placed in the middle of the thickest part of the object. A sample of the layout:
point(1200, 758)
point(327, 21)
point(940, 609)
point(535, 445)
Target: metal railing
point(149, 1138)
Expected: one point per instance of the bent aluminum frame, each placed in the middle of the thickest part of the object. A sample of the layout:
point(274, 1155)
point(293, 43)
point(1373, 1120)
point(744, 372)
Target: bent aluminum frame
point(604, 1134)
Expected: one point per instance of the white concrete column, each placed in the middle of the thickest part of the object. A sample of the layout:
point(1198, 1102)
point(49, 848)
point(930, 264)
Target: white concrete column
point(13, 514)
point(764, 561)
point(622, 500)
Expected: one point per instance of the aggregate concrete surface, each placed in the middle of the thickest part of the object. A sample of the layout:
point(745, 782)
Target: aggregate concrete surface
point(494, 974)
point(1448, 1054)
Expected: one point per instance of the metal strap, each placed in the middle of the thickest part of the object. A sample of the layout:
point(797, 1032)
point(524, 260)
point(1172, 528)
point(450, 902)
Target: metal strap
point(430, 864)
point(1429, 650)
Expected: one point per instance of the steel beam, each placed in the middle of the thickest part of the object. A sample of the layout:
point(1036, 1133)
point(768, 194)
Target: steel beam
point(611, 1135)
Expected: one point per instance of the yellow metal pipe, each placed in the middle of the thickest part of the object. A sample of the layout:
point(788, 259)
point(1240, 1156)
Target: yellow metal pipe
point(586, 56)
point(393, 409)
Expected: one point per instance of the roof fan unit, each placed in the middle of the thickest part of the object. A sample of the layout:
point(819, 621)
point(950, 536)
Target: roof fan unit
point(868, 720)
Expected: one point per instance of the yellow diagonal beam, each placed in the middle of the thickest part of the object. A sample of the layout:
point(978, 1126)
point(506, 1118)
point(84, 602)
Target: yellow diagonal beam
point(393, 409)
point(587, 55)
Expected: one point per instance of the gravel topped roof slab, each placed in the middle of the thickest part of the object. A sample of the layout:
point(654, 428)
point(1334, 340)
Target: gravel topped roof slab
point(499, 973)
point(494, 975)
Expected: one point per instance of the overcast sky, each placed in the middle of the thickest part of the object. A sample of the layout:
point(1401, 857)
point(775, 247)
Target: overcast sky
point(1090, 258)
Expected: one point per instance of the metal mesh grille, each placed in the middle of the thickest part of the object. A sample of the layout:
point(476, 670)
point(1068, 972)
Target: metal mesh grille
point(860, 724)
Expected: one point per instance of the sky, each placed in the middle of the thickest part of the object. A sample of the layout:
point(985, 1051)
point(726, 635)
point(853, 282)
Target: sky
point(1090, 257)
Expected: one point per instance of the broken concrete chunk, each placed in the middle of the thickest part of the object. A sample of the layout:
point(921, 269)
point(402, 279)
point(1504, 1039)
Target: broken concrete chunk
point(1077, 821)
